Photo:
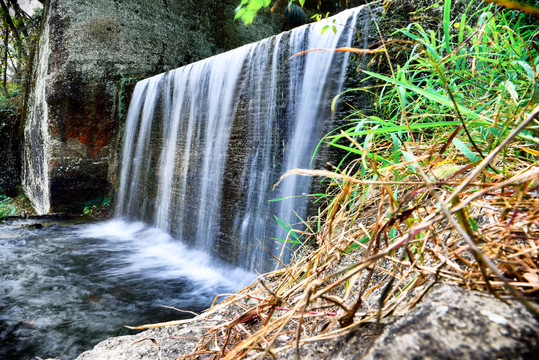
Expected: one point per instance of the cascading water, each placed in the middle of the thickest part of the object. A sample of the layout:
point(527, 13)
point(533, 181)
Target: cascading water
point(37, 149)
point(205, 143)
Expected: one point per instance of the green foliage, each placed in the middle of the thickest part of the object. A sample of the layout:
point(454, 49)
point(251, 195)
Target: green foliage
point(459, 92)
point(18, 34)
point(126, 83)
point(96, 205)
point(8, 101)
point(478, 72)
point(247, 9)
point(292, 237)
point(333, 27)
point(7, 206)
point(13, 206)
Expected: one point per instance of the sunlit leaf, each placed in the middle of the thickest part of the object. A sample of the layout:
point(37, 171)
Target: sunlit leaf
point(528, 150)
point(287, 227)
point(465, 150)
point(527, 68)
point(432, 95)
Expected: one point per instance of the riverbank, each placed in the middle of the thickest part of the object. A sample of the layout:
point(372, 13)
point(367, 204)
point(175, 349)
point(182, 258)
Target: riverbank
point(449, 323)
point(19, 207)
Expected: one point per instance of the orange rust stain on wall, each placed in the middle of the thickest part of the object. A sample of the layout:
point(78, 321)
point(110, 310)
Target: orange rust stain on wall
point(93, 139)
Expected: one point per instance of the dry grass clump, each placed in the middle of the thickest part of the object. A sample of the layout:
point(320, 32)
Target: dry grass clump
point(384, 243)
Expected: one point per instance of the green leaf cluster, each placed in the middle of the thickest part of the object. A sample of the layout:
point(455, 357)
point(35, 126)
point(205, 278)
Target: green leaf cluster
point(247, 9)
point(7, 206)
point(96, 204)
point(479, 72)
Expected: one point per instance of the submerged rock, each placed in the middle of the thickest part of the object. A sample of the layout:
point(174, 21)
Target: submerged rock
point(449, 323)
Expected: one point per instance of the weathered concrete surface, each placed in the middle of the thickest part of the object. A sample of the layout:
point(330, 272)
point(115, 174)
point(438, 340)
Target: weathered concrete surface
point(72, 127)
point(450, 323)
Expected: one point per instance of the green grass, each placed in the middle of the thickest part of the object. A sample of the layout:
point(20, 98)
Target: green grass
point(457, 95)
point(479, 72)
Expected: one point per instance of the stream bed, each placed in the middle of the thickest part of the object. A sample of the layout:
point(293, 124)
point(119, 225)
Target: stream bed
point(66, 285)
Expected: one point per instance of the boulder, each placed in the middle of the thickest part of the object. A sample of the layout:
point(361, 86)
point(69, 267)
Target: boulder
point(454, 323)
point(169, 343)
point(458, 324)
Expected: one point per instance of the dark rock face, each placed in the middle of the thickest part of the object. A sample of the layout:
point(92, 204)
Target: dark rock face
point(71, 128)
point(9, 153)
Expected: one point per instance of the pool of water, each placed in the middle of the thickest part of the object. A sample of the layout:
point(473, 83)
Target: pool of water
point(65, 286)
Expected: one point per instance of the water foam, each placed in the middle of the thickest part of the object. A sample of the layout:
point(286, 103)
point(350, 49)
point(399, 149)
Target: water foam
point(153, 253)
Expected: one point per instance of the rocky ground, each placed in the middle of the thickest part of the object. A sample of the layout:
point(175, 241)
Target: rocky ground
point(449, 323)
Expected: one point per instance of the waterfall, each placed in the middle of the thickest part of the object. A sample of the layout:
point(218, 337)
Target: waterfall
point(204, 144)
point(36, 151)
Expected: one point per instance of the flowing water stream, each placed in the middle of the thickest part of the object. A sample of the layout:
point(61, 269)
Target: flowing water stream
point(64, 286)
point(205, 143)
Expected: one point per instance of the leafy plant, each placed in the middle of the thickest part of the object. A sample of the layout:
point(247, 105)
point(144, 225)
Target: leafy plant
point(98, 207)
point(292, 237)
point(7, 206)
point(478, 75)
point(247, 9)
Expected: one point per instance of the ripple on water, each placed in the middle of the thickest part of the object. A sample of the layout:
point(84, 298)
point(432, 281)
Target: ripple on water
point(64, 287)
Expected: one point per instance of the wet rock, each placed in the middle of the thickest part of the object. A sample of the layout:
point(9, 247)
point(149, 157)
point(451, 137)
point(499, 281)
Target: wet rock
point(450, 323)
point(453, 323)
point(9, 152)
